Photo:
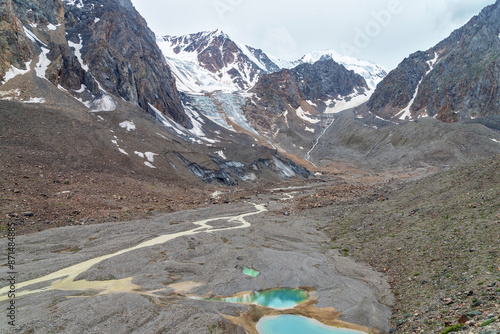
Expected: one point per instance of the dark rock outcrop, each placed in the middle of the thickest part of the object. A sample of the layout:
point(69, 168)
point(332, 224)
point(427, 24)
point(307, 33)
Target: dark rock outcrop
point(322, 80)
point(462, 83)
point(65, 69)
point(122, 54)
point(326, 78)
point(231, 173)
point(104, 45)
point(14, 45)
point(289, 89)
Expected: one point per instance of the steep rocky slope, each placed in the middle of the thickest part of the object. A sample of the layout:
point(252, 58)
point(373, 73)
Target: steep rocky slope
point(322, 80)
point(457, 79)
point(77, 106)
point(378, 144)
point(283, 104)
point(68, 166)
point(371, 72)
point(93, 50)
point(434, 238)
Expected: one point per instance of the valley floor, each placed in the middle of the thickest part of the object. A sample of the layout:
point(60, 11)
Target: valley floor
point(434, 239)
point(136, 276)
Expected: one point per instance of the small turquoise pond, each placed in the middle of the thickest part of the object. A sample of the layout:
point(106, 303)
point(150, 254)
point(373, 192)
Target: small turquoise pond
point(278, 298)
point(293, 324)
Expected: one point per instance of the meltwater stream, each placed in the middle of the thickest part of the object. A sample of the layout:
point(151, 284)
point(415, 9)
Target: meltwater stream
point(65, 279)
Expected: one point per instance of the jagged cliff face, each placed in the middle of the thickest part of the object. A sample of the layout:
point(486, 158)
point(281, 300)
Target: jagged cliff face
point(327, 79)
point(14, 46)
point(96, 50)
point(287, 103)
point(457, 79)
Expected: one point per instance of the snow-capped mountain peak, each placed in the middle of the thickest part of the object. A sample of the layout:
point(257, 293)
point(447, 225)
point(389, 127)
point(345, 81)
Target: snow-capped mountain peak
point(211, 61)
point(372, 72)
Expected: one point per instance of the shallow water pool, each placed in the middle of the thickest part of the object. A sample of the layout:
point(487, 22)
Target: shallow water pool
point(293, 324)
point(278, 298)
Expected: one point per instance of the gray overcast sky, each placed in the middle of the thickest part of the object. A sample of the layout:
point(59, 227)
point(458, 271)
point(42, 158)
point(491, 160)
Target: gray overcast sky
point(382, 31)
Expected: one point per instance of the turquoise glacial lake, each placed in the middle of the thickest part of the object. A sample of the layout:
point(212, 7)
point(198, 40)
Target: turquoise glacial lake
point(278, 298)
point(293, 324)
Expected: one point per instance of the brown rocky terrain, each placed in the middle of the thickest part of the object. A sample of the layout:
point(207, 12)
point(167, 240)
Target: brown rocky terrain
point(288, 106)
point(417, 202)
point(435, 238)
point(62, 165)
point(427, 143)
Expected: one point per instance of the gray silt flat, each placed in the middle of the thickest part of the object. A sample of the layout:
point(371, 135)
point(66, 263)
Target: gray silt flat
point(287, 250)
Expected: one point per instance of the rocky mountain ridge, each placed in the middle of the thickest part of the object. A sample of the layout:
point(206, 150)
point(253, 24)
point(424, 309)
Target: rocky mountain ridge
point(371, 72)
point(93, 50)
point(210, 61)
point(105, 56)
point(91, 60)
point(459, 78)
point(293, 106)
point(230, 82)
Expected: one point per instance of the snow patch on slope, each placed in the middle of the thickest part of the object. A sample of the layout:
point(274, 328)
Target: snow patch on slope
point(34, 100)
point(15, 95)
point(52, 27)
point(128, 125)
point(31, 36)
point(43, 63)
point(251, 56)
point(14, 72)
point(150, 156)
point(115, 141)
point(347, 102)
point(196, 134)
point(77, 3)
point(406, 112)
point(78, 52)
point(105, 103)
point(221, 154)
point(306, 116)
